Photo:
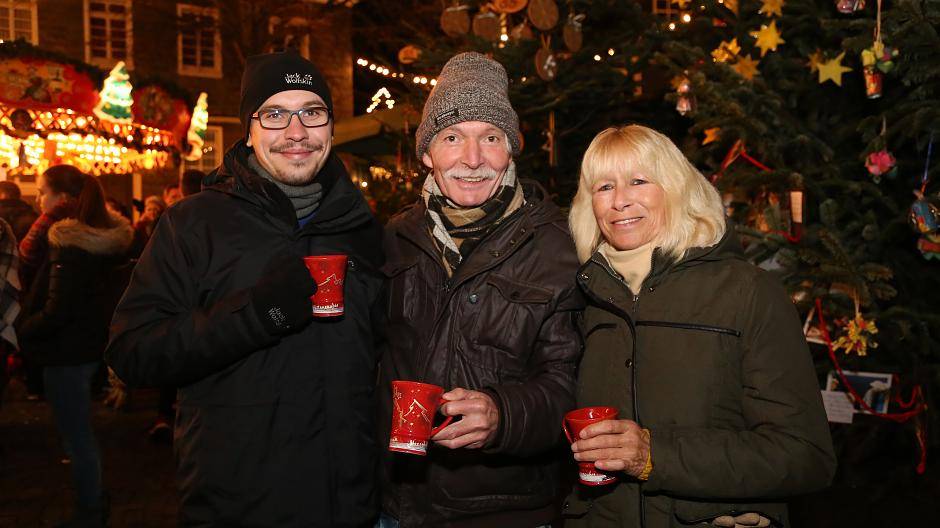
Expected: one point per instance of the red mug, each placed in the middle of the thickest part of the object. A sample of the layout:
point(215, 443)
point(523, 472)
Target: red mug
point(329, 271)
point(414, 405)
point(573, 423)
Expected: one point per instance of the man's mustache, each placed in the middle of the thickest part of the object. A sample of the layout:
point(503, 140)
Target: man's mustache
point(463, 172)
point(305, 145)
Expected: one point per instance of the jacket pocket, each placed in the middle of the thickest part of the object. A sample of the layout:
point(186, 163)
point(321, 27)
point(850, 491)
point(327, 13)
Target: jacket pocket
point(510, 314)
point(404, 292)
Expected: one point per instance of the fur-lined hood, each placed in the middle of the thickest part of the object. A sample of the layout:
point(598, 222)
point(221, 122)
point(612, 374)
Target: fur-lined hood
point(114, 240)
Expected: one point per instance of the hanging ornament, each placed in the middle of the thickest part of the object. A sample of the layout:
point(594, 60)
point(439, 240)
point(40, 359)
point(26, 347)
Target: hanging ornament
point(571, 33)
point(409, 54)
point(771, 8)
point(815, 60)
point(879, 164)
point(796, 213)
point(711, 135)
point(685, 99)
point(858, 337)
point(508, 6)
point(546, 66)
point(877, 61)
point(455, 21)
point(847, 7)
point(486, 26)
point(746, 67)
point(726, 51)
point(549, 145)
point(768, 38)
point(925, 217)
point(543, 14)
point(832, 70)
point(115, 103)
point(196, 135)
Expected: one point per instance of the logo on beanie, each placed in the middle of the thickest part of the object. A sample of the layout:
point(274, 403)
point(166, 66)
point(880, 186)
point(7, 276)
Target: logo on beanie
point(446, 116)
point(298, 78)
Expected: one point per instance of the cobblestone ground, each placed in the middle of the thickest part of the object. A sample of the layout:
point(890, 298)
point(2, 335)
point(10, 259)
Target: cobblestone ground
point(35, 486)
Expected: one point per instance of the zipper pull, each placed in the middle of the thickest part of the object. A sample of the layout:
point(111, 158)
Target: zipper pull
point(636, 297)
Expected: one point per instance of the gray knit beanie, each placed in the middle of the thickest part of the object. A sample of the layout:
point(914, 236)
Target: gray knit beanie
point(471, 87)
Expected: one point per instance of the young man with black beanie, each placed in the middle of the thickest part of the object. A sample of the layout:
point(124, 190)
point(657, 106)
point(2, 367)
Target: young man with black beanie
point(274, 424)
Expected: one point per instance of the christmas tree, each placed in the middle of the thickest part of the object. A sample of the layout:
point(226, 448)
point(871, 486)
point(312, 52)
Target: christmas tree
point(196, 135)
point(115, 102)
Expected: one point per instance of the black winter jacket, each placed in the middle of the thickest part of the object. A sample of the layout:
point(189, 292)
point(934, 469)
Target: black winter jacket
point(503, 324)
point(269, 431)
point(69, 305)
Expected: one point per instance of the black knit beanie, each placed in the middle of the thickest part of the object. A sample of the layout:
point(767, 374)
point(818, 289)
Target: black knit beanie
point(271, 73)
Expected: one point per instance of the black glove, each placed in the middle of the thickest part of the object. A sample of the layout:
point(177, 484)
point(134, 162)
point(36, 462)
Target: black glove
point(282, 297)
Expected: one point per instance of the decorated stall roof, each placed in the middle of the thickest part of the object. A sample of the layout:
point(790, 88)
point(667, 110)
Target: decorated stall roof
point(52, 112)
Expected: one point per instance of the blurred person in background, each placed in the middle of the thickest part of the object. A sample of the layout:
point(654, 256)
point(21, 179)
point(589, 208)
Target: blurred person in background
point(19, 214)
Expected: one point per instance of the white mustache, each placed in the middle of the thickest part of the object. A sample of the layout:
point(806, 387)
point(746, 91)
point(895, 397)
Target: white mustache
point(485, 173)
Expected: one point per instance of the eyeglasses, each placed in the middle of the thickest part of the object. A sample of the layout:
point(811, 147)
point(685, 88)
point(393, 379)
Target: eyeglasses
point(279, 118)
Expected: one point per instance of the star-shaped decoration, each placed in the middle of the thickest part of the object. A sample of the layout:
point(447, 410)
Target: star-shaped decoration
point(771, 8)
point(768, 38)
point(815, 60)
point(711, 135)
point(746, 67)
point(726, 51)
point(832, 70)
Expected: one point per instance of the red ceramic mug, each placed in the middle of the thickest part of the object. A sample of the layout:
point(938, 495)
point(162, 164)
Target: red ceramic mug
point(329, 271)
point(573, 423)
point(414, 405)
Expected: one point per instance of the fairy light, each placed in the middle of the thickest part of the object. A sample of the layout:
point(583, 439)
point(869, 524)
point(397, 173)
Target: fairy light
point(377, 100)
point(610, 52)
point(385, 71)
point(686, 18)
point(597, 58)
point(672, 26)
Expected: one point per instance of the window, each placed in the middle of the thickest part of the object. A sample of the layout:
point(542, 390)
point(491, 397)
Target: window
point(18, 20)
point(199, 46)
point(212, 151)
point(108, 32)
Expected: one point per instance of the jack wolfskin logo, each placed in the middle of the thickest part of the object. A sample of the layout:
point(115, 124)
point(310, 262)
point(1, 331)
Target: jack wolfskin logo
point(297, 78)
point(277, 317)
point(446, 115)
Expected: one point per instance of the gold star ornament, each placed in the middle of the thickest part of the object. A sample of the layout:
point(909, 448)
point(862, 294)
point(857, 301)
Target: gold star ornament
point(832, 70)
point(770, 8)
point(726, 51)
point(746, 67)
point(815, 60)
point(768, 38)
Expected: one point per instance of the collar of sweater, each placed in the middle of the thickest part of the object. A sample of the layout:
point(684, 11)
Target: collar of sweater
point(633, 265)
point(304, 198)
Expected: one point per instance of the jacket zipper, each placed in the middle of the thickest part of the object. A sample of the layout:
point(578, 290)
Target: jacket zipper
point(636, 357)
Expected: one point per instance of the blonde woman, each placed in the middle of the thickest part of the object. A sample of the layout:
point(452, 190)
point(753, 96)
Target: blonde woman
point(702, 353)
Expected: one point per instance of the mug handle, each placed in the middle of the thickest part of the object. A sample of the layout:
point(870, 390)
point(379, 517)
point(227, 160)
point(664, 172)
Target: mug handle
point(564, 427)
point(441, 401)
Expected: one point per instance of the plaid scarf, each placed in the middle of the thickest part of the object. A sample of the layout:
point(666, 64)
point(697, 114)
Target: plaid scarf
point(458, 230)
point(9, 284)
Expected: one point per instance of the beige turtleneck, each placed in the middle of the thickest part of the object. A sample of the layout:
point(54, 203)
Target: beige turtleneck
point(633, 264)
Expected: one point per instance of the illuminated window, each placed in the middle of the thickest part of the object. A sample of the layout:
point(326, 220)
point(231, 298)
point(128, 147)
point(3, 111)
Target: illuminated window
point(198, 43)
point(108, 32)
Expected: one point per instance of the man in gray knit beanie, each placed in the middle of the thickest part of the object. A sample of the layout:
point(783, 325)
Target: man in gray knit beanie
point(481, 302)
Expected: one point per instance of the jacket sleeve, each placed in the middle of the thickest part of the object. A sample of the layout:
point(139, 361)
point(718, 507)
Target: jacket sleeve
point(785, 448)
point(162, 334)
point(61, 300)
point(530, 414)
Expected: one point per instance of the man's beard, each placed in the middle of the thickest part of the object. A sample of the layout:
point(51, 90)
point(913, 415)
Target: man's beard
point(463, 173)
point(300, 172)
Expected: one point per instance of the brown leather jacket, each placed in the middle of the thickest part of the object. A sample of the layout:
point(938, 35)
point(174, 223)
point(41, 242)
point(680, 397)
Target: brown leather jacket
point(503, 324)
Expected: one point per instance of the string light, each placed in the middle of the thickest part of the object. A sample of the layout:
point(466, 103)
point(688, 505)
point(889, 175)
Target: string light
point(385, 71)
point(597, 58)
point(377, 100)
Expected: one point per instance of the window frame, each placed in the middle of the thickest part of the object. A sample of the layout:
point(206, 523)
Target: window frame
point(109, 61)
point(34, 17)
point(215, 72)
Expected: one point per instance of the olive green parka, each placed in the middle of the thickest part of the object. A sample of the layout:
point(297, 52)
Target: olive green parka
point(711, 358)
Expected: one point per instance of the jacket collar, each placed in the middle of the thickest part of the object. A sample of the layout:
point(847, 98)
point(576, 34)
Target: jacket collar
point(113, 240)
point(342, 205)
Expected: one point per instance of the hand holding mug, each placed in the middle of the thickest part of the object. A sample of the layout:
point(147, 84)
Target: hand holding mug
point(613, 445)
point(476, 428)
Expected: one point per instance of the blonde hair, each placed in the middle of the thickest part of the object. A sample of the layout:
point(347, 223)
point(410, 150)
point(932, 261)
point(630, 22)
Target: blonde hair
point(694, 212)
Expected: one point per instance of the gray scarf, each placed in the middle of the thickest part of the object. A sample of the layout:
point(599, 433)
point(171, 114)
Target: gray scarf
point(305, 198)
